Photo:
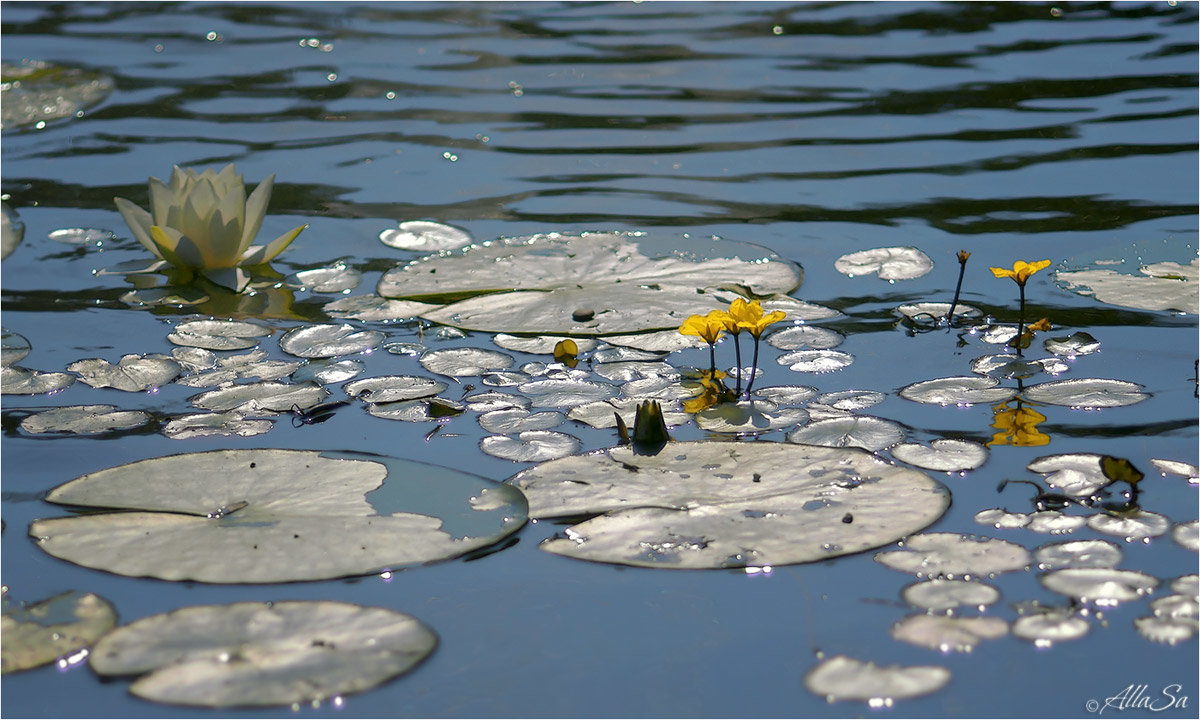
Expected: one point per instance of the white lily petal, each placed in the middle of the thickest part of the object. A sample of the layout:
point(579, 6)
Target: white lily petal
point(180, 179)
point(228, 179)
point(256, 210)
point(259, 254)
point(161, 200)
point(225, 230)
point(139, 222)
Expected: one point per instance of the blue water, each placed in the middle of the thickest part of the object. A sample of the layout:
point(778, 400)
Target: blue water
point(1014, 131)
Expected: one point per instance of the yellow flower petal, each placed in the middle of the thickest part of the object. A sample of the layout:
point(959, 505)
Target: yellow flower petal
point(1021, 270)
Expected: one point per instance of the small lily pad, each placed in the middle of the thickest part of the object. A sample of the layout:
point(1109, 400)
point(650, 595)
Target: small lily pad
point(215, 424)
point(1011, 366)
point(935, 311)
point(257, 654)
point(36, 92)
point(252, 365)
point(493, 400)
point(815, 361)
point(81, 236)
point(951, 556)
point(1167, 631)
point(566, 393)
point(749, 417)
point(84, 420)
point(805, 337)
point(337, 278)
point(424, 410)
point(1075, 474)
point(602, 413)
point(262, 396)
point(34, 635)
point(218, 334)
point(892, 263)
point(948, 634)
point(944, 454)
point(851, 399)
point(375, 308)
point(425, 236)
point(1160, 286)
point(861, 431)
point(1002, 519)
point(133, 373)
point(530, 446)
point(1187, 535)
point(1086, 393)
point(393, 388)
point(13, 348)
point(1102, 586)
point(465, 362)
point(786, 395)
point(322, 341)
point(1071, 346)
point(540, 344)
point(844, 678)
point(961, 391)
point(327, 372)
point(1053, 522)
point(1136, 525)
point(516, 420)
point(661, 341)
point(949, 594)
point(1078, 554)
point(1044, 629)
point(16, 380)
point(269, 516)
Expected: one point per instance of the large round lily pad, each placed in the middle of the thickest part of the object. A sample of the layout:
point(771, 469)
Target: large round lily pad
point(716, 504)
point(265, 515)
point(597, 283)
point(254, 653)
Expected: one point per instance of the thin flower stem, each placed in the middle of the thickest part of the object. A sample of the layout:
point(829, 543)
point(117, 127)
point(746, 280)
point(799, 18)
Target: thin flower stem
point(1021, 321)
point(712, 359)
point(753, 370)
point(962, 270)
point(737, 349)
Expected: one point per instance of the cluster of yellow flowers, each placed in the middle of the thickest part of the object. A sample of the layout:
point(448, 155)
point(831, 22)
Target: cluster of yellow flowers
point(741, 315)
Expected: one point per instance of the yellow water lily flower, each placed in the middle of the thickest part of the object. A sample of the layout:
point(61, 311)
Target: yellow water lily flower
point(1018, 426)
point(706, 327)
point(205, 223)
point(1021, 270)
point(749, 316)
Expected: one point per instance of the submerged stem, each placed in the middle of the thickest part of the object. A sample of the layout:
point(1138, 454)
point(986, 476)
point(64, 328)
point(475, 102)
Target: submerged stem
point(962, 270)
point(1021, 322)
point(737, 350)
point(753, 369)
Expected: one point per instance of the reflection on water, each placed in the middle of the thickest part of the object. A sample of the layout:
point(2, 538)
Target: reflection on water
point(1010, 130)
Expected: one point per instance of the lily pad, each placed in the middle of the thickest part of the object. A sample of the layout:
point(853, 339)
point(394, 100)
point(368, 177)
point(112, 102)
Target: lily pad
point(132, 373)
point(393, 388)
point(815, 361)
point(375, 308)
point(530, 446)
point(326, 372)
point(13, 348)
point(255, 654)
point(1078, 554)
point(944, 454)
point(1187, 535)
point(948, 634)
point(1011, 366)
point(465, 362)
point(661, 341)
point(602, 413)
point(1075, 474)
point(949, 594)
point(84, 420)
point(851, 399)
point(337, 278)
point(1167, 631)
point(262, 396)
point(566, 393)
point(1071, 346)
point(718, 505)
point(1053, 522)
point(892, 263)
point(1086, 393)
point(786, 395)
point(36, 92)
point(540, 344)
point(749, 417)
point(425, 236)
point(16, 380)
point(935, 311)
point(12, 230)
point(321, 341)
point(587, 284)
point(269, 516)
point(1046, 628)
point(424, 410)
point(81, 236)
point(844, 678)
point(516, 420)
point(862, 431)
point(218, 334)
point(36, 634)
point(1102, 586)
point(252, 365)
point(215, 424)
point(1136, 525)
point(805, 337)
point(961, 391)
point(951, 556)
point(1160, 286)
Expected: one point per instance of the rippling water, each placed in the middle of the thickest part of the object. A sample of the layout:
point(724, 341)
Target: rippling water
point(1012, 130)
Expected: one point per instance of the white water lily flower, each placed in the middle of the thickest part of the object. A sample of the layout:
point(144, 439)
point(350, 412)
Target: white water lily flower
point(204, 222)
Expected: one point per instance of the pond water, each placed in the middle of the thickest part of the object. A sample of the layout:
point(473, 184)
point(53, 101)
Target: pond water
point(1013, 131)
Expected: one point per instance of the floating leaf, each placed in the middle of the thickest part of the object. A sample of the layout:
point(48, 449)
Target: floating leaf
point(516, 420)
point(601, 413)
point(935, 311)
point(1187, 535)
point(949, 594)
point(541, 344)
point(393, 388)
point(1161, 286)
point(464, 362)
point(374, 308)
point(862, 431)
point(218, 334)
point(194, 359)
point(487, 401)
point(13, 348)
point(262, 396)
point(268, 516)
point(255, 654)
point(423, 410)
point(948, 634)
point(84, 420)
point(81, 236)
point(1086, 393)
point(19, 381)
point(815, 361)
point(587, 284)
point(1046, 628)
point(1054, 522)
point(326, 372)
point(892, 263)
point(36, 92)
point(784, 395)
point(951, 555)
point(961, 390)
point(503, 379)
point(1175, 467)
point(215, 424)
point(1012, 366)
point(944, 454)
point(1078, 554)
point(36, 634)
point(337, 278)
point(252, 365)
point(1079, 343)
point(12, 231)
point(1075, 474)
point(1167, 631)
point(749, 417)
point(1102, 586)
point(133, 373)
point(321, 341)
point(714, 504)
point(566, 393)
point(662, 341)
point(850, 399)
point(844, 678)
point(1137, 525)
point(425, 236)
point(530, 446)
point(805, 337)
point(1001, 519)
